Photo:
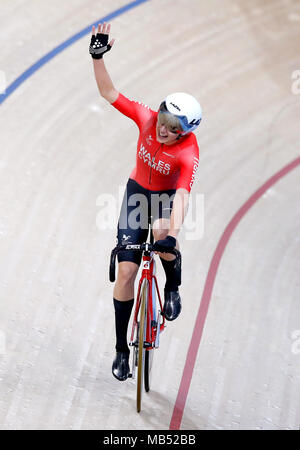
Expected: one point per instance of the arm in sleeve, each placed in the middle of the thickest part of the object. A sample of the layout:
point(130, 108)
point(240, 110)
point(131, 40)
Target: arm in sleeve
point(136, 111)
point(189, 163)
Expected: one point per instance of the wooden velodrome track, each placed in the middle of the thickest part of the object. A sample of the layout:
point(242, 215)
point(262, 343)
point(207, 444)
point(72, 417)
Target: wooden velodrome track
point(232, 359)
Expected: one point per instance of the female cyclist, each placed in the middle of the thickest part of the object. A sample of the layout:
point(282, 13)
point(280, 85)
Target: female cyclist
point(166, 163)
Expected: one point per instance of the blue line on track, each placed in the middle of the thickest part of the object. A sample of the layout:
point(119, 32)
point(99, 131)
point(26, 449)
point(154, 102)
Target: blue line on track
point(46, 58)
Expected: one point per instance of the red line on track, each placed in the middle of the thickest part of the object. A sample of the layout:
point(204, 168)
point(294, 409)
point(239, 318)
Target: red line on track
point(207, 292)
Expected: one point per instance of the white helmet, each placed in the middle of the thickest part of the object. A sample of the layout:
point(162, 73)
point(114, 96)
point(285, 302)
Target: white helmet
point(186, 108)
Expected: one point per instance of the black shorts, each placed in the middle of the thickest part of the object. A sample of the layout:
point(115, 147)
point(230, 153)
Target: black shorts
point(140, 207)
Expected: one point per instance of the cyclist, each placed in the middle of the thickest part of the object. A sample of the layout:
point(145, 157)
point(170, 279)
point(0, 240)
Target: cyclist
point(166, 163)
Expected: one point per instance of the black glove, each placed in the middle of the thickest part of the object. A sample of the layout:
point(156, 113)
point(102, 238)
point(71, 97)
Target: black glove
point(99, 45)
point(165, 245)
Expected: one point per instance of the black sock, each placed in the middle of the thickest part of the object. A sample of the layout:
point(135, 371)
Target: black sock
point(122, 316)
point(173, 276)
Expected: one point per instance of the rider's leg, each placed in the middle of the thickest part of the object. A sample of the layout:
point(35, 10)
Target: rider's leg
point(123, 302)
point(160, 231)
point(172, 305)
point(124, 286)
point(129, 261)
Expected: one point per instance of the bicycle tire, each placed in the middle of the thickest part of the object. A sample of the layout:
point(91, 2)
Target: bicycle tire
point(148, 365)
point(141, 346)
point(149, 353)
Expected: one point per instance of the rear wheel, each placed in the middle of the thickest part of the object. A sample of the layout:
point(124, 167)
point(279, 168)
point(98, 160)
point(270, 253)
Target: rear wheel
point(141, 344)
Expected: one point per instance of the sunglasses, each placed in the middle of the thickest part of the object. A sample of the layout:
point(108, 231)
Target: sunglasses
point(171, 129)
point(185, 125)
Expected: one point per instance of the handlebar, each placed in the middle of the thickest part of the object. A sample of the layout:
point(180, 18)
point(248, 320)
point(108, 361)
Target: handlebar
point(146, 247)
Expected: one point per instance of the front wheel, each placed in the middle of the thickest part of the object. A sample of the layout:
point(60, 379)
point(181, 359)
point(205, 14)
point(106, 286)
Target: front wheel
point(141, 343)
point(148, 366)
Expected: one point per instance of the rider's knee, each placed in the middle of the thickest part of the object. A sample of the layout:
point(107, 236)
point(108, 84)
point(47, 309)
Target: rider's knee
point(127, 272)
point(160, 234)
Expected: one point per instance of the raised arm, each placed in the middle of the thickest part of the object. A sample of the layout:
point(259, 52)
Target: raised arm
point(98, 46)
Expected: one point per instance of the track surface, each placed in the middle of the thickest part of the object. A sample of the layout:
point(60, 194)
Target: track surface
point(62, 148)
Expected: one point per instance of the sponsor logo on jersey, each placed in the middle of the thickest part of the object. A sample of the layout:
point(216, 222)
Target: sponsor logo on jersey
point(143, 104)
point(149, 139)
point(196, 165)
point(159, 165)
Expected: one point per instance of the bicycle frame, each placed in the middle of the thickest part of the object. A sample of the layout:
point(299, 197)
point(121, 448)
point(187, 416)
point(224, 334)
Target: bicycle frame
point(153, 316)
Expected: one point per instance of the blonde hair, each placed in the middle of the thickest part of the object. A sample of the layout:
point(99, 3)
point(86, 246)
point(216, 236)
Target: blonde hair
point(169, 121)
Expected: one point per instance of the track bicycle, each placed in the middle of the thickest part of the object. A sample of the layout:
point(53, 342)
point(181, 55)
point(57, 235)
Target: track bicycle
point(148, 320)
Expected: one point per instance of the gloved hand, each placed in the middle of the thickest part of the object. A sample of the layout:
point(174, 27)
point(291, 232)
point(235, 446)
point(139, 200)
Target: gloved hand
point(165, 245)
point(99, 42)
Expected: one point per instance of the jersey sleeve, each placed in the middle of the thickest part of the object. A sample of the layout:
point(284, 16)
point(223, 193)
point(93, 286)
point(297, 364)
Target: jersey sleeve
point(188, 162)
point(136, 111)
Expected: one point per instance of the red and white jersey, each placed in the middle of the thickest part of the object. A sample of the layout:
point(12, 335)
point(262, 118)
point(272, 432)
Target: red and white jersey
point(159, 166)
